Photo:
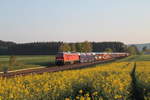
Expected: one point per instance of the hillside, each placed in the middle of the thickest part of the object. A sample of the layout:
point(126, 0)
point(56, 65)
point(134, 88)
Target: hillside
point(140, 46)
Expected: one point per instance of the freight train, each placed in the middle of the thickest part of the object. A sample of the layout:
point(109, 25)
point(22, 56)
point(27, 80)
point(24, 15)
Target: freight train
point(71, 58)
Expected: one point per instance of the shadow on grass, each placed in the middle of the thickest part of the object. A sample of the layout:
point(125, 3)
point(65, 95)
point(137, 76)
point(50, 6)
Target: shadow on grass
point(137, 90)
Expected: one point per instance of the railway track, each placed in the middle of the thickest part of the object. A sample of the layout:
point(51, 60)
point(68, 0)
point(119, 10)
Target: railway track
point(51, 69)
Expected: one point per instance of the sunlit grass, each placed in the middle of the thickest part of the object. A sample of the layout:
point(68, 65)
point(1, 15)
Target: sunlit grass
point(28, 61)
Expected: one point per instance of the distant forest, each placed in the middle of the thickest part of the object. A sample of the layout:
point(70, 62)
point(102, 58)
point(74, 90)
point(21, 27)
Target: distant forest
point(51, 48)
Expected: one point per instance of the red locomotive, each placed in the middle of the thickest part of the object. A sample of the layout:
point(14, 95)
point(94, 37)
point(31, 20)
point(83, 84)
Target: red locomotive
point(64, 58)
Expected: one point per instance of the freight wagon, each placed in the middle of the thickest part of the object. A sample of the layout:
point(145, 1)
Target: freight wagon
point(87, 57)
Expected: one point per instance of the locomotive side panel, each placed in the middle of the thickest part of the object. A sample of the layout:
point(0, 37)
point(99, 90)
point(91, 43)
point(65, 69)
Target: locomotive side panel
point(71, 58)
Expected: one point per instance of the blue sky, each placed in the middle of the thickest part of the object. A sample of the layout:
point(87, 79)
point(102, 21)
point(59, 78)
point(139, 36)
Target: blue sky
point(75, 20)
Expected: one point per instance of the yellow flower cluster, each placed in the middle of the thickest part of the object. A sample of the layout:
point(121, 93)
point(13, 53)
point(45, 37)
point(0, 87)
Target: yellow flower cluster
point(143, 75)
point(143, 71)
point(108, 81)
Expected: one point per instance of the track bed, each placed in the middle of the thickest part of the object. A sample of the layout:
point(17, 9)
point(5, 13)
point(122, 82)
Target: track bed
point(51, 69)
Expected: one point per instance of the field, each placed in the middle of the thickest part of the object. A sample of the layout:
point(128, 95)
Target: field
point(22, 62)
point(126, 79)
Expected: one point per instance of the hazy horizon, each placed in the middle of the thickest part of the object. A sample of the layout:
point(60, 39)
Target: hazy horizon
point(25, 21)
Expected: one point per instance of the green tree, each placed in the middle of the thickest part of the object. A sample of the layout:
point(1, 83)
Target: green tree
point(78, 47)
point(73, 47)
point(65, 47)
point(144, 48)
point(133, 50)
point(108, 50)
point(86, 46)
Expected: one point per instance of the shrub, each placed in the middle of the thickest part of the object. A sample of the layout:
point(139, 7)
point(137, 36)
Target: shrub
point(12, 60)
point(5, 69)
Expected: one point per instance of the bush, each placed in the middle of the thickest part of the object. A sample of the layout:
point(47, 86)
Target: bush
point(12, 60)
point(5, 69)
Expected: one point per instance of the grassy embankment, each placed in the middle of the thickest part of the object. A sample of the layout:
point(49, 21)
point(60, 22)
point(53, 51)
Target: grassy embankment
point(22, 62)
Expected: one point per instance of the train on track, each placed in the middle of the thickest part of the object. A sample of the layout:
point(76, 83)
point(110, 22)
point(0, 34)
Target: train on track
point(71, 58)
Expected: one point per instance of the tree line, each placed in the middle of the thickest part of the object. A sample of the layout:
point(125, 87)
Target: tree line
point(51, 48)
point(4, 47)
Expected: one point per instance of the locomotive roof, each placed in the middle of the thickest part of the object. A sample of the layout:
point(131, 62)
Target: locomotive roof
point(91, 53)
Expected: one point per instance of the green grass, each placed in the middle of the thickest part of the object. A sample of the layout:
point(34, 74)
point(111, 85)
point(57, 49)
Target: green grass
point(143, 58)
point(137, 58)
point(29, 61)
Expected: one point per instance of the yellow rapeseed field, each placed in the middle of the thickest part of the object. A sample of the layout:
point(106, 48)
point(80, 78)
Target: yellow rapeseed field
point(143, 71)
point(104, 81)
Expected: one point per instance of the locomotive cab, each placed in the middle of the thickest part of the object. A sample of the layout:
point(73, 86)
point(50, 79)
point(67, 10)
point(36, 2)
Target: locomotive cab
point(59, 59)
